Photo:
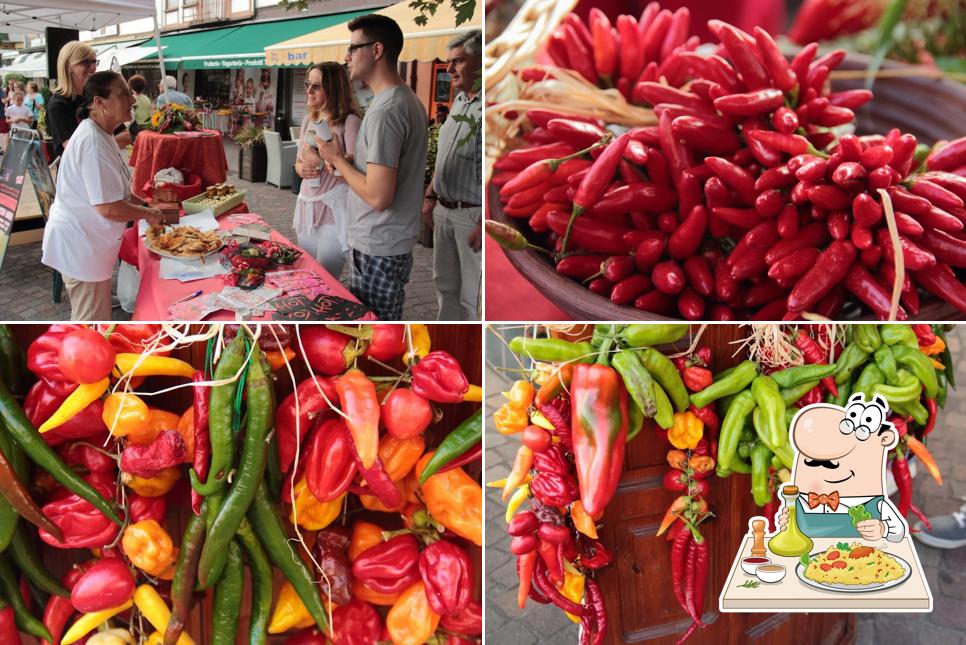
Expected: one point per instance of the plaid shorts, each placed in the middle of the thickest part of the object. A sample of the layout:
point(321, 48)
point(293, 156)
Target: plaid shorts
point(379, 281)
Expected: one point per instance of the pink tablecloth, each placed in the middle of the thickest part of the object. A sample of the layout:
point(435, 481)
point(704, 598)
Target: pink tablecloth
point(156, 294)
point(202, 155)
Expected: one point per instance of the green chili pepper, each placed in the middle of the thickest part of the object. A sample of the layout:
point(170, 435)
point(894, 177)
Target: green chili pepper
point(553, 350)
point(227, 599)
point(792, 376)
point(273, 473)
point(899, 334)
point(641, 335)
point(185, 572)
point(790, 396)
point(907, 389)
point(247, 479)
point(760, 461)
point(781, 448)
point(26, 556)
point(747, 433)
point(769, 401)
point(920, 365)
point(870, 376)
point(10, 591)
point(851, 358)
point(744, 449)
point(886, 361)
point(635, 420)
point(867, 337)
point(665, 373)
point(731, 427)
point(462, 438)
point(220, 418)
point(637, 380)
point(941, 395)
point(12, 362)
point(271, 532)
point(664, 417)
point(20, 428)
point(261, 575)
point(730, 382)
point(737, 466)
point(845, 391)
point(918, 412)
point(947, 360)
point(603, 332)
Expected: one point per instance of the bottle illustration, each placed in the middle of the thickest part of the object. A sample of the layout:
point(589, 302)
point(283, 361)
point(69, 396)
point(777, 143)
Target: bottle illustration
point(791, 541)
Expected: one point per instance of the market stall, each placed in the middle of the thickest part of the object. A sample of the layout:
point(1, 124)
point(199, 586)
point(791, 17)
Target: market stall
point(646, 449)
point(331, 509)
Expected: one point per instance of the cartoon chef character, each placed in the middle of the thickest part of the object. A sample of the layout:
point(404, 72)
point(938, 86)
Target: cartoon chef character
point(841, 464)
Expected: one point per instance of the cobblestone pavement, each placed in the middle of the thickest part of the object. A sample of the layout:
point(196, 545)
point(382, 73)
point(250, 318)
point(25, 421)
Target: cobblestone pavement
point(25, 284)
point(945, 569)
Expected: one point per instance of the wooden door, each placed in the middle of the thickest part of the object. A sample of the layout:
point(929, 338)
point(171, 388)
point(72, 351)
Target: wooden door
point(637, 586)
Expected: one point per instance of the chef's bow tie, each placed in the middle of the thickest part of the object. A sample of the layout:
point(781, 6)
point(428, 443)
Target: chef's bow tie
point(831, 500)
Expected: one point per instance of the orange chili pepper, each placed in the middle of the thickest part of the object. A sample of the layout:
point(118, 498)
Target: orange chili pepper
point(411, 621)
point(186, 428)
point(936, 347)
point(521, 466)
point(582, 520)
point(399, 456)
point(925, 457)
point(677, 506)
point(364, 536)
point(677, 459)
point(520, 394)
point(510, 420)
point(278, 359)
point(149, 547)
point(362, 592)
point(125, 413)
point(455, 500)
point(558, 382)
point(158, 420)
point(361, 405)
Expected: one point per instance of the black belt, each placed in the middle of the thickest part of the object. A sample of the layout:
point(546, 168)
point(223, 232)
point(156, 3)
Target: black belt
point(451, 205)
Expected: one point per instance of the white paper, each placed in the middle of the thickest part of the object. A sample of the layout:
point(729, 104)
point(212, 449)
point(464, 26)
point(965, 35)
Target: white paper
point(188, 269)
point(246, 301)
point(203, 221)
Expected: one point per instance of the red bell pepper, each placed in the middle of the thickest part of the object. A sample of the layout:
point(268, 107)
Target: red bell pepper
point(311, 396)
point(447, 574)
point(405, 413)
point(468, 621)
point(45, 397)
point(389, 567)
point(327, 351)
point(330, 551)
point(599, 422)
point(386, 342)
point(355, 623)
point(329, 462)
point(360, 404)
point(146, 508)
point(166, 450)
point(439, 377)
point(83, 525)
point(108, 583)
point(202, 456)
point(43, 355)
point(85, 356)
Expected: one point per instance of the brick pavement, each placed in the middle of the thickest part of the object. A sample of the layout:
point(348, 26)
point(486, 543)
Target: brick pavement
point(945, 569)
point(25, 284)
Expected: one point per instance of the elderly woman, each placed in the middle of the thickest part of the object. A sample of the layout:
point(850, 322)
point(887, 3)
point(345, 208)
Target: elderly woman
point(330, 107)
point(76, 62)
point(93, 203)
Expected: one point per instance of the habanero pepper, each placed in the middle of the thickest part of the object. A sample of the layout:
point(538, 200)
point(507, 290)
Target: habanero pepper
point(44, 399)
point(354, 623)
point(599, 422)
point(447, 573)
point(467, 621)
point(454, 499)
point(82, 525)
point(310, 397)
point(389, 567)
point(439, 377)
point(43, 354)
point(411, 621)
point(329, 551)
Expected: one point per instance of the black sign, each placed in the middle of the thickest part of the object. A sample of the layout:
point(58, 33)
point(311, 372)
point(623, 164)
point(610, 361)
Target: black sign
point(12, 173)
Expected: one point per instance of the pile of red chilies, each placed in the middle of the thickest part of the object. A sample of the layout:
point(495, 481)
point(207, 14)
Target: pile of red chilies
point(740, 203)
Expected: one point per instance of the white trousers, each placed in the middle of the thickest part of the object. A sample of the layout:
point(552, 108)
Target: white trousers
point(456, 266)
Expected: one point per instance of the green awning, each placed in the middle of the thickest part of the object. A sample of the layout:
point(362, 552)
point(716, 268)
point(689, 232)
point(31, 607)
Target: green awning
point(240, 45)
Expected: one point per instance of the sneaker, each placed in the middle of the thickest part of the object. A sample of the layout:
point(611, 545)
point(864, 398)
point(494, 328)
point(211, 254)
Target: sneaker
point(948, 531)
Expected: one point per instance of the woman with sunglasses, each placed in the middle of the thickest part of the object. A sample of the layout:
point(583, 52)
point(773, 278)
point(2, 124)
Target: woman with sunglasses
point(331, 109)
point(76, 62)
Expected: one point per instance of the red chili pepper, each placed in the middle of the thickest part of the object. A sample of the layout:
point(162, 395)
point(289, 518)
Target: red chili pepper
point(698, 272)
point(447, 573)
point(330, 463)
point(703, 135)
point(775, 63)
point(580, 267)
point(736, 177)
point(604, 45)
point(390, 566)
point(830, 268)
point(794, 144)
point(865, 287)
point(936, 194)
point(943, 283)
point(327, 351)
point(43, 354)
point(740, 217)
point(578, 133)
point(631, 56)
point(57, 613)
point(405, 413)
point(931, 423)
point(83, 526)
point(146, 508)
point(948, 157)
point(202, 456)
point(668, 277)
point(526, 564)
point(438, 377)
point(166, 450)
point(629, 288)
point(107, 583)
point(743, 55)
point(593, 236)
point(751, 103)
point(780, 177)
point(642, 196)
point(468, 621)
point(900, 472)
point(581, 54)
point(653, 33)
point(914, 256)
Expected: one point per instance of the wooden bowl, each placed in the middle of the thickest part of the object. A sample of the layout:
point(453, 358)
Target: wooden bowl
point(929, 108)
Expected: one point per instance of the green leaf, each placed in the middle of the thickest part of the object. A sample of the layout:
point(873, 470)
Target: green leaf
point(805, 560)
point(750, 584)
point(843, 546)
point(887, 24)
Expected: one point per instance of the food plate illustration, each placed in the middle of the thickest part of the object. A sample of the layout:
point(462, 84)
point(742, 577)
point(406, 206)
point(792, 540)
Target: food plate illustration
point(901, 566)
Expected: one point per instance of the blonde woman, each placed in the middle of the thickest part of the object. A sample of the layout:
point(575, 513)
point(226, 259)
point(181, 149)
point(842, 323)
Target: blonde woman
point(76, 62)
point(320, 209)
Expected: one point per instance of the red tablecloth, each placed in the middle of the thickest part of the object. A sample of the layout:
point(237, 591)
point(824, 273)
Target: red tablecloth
point(156, 294)
point(204, 156)
point(516, 299)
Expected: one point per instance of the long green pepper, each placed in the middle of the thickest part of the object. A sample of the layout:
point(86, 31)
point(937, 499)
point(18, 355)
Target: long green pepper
point(462, 438)
point(185, 572)
point(851, 358)
point(641, 335)
point(793, 376)
point(886, 361)
point(728, 382)
point(10, 591)
point(637, 380)
point(920, 365)
point(261, 574)
point(227, 599)
point(731, 427)
point(665, 373)
point(553, 350)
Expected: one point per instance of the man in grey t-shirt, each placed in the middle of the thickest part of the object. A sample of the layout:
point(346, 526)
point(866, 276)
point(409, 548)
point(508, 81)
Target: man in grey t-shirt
point(386, 176)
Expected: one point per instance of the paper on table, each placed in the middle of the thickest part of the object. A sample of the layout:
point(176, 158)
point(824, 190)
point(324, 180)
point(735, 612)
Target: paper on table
point(196, 308)
point(244, 301)
point(203, 221)
point(298, 281)
point(188, 269)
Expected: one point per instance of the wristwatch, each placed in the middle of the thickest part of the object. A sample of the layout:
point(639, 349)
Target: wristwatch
point(432, 197)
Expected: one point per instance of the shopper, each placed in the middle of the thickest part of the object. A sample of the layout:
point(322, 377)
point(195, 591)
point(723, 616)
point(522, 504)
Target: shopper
point(452, 202)
point(34, 100)
point(93, 201)
point(142, 104)
point(386, 178)
point(320, 212)
point(170, 94)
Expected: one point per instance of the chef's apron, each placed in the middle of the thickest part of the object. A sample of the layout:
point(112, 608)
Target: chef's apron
point(821, 525)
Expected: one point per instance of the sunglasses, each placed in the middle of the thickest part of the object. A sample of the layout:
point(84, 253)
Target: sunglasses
point(313, 87)
point(352, 48)
point(87, 62)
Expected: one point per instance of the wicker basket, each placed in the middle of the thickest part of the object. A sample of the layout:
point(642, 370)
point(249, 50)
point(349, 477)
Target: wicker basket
point(165, 193)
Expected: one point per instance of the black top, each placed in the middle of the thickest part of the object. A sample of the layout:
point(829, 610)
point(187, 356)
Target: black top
point(62, 120)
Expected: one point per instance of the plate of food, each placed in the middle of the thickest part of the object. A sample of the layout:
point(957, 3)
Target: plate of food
point(853, 568)
point(182, 241)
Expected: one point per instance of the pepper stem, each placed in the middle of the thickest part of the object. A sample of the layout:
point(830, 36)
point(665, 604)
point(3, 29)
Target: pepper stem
point(556, 163)
point(362, 332)
point(577, 212)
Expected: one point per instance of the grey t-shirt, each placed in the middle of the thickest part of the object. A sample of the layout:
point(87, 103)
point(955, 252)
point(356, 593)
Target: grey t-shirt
point(393, 133)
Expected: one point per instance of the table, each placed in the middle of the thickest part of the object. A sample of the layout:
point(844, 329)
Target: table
point(516, 299)
point(791, 594)
point(156, 294)
point(204, 156)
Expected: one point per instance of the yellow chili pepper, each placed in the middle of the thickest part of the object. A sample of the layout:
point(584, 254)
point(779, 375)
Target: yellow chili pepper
point(83, 396)
point(522, 494)
point(310, 512)
point(937, 347)
point(150, 603)
point(156, 638)
point(150, 549)
point(155, 486)
point(521, 466)
point(496, 483)
point(125, 413)
point(474, 394)
point(116, 636)
point(509, 419)
point(419, 335)
point(289, 612)
point(152, 366)
point(582, 520)
point(537, 419)
point(936, 364)
point(88, 622)
point(520, 394)
point(572, 587)
point(686, 431)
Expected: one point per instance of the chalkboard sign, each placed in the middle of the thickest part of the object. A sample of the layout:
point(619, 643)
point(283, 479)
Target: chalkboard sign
point(23, 155)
